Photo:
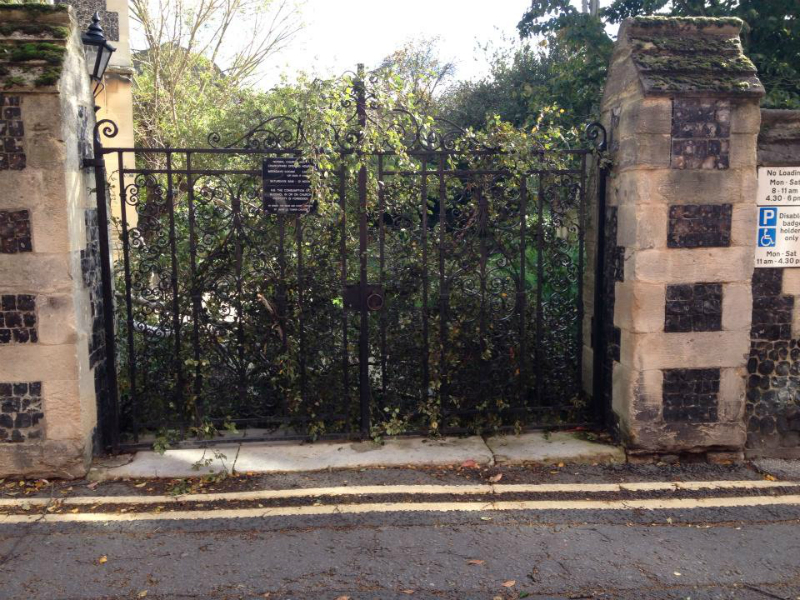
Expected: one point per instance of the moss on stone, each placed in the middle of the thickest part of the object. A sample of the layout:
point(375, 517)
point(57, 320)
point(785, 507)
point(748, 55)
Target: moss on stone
point(15, 52)
point(700, 83)
point(49, 77)
point(33, 7)
point(680, 22)
point(14, 81)
point(696, 63)
point(34, 29)
point(716, 45)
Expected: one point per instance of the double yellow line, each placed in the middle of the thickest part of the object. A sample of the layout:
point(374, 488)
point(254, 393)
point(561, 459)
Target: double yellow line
point(401, 507)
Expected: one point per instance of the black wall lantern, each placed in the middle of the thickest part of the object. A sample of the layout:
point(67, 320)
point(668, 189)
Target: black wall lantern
point(98, 52)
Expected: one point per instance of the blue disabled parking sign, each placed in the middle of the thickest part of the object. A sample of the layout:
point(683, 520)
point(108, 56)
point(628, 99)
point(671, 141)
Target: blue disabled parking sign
point(767, 226)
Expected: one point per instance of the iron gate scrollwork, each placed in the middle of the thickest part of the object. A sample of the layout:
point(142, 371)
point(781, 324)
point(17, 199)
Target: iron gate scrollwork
point(437, 293)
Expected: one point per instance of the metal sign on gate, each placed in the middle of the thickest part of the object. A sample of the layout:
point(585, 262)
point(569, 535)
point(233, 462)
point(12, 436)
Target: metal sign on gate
point(287, 189)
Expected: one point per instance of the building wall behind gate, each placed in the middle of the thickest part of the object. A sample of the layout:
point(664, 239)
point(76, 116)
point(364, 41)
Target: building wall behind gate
point(773, 383)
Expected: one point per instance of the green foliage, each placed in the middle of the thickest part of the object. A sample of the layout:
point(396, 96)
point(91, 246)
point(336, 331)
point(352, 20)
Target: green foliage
point(257, 364)
point(566, 69)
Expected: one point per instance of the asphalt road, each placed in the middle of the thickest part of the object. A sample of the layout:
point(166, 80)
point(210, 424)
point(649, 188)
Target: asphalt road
point(733, 552)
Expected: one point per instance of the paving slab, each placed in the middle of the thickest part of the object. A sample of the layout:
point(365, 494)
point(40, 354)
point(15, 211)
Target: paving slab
point(186, 462)
point(290, 457)
point(551, 448)
point(779, 467)
point(277, 458)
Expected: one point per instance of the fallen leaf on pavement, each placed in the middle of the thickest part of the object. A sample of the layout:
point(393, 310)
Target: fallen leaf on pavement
point(560, 465)
point(143, 593)
point(92, 486)
point(102, 560)
point(409, 592)
point(510, 583)
point(469, 464)
point(770, 478)
point(475, 561)
point(486, 518)
point(140, 485)
point(496, 478)
point(677, 574)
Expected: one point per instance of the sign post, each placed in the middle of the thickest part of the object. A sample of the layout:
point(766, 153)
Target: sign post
point(778, 229)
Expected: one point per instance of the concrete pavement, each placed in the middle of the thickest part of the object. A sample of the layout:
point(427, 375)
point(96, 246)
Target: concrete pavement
point(251, 457)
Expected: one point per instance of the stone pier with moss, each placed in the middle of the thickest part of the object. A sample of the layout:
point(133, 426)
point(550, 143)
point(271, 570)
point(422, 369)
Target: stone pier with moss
point(681, 106)
point(50, 362)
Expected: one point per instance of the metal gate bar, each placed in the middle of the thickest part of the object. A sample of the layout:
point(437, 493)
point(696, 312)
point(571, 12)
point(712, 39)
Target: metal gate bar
point(169, 281)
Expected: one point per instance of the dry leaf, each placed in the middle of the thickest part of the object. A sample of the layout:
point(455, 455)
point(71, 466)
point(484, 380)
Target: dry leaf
point(486, 518)
point(496, 478)
point(92, 486)
point(560, 465)
point(343, 598)
point(140, 485)
point(142, 594)
point(770, 478)
point(677, 573)
point(74, 510)
point(475, 561)
point(469, 464)
point(510, 583)
point(409, 592)
point(102, 560)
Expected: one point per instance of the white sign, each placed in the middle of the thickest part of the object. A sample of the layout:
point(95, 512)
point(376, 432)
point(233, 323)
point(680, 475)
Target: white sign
point(778, 186)
point(778, 237)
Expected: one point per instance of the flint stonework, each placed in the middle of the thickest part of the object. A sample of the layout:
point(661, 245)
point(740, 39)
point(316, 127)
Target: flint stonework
point(18, 319)
point(15, 231)
point(699, 226)
point(694, 307)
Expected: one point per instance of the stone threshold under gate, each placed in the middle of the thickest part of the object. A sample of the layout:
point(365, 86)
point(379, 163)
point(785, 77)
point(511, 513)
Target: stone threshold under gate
point(288, 457)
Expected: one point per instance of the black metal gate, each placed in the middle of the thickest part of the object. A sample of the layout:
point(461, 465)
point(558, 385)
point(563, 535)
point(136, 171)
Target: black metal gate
point(438, 292)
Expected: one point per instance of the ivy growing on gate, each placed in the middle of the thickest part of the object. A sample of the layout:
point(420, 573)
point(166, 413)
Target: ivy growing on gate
point(229, 315)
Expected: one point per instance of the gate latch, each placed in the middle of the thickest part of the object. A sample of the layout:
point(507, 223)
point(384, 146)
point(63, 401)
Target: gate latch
point(372, 300)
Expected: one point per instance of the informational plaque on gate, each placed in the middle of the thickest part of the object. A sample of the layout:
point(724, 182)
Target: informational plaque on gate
point(778, 228)
point(287, 189)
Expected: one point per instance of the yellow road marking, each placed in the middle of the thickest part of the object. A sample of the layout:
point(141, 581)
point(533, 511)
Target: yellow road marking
point(400, 507)
point(405, 489)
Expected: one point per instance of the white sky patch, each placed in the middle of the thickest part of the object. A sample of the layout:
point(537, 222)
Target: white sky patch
point(339, 34)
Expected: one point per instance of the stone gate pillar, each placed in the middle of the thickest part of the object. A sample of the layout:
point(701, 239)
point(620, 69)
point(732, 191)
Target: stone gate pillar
point(681, 109)
point(51, 336)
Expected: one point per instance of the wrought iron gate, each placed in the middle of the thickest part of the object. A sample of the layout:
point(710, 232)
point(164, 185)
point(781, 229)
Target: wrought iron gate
point(437, 293)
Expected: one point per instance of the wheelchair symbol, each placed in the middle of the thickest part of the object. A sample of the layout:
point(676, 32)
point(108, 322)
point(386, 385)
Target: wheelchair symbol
point(766, 237)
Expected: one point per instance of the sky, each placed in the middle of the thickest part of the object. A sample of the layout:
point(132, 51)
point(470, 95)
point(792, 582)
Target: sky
point(338, 34)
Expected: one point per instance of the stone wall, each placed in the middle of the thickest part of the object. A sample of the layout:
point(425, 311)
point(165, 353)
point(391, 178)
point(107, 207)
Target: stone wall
point(773, 384)
point(47, 300)
point(681, 110)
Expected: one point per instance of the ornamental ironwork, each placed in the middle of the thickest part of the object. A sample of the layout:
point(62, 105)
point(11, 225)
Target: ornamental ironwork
point(440, 293)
